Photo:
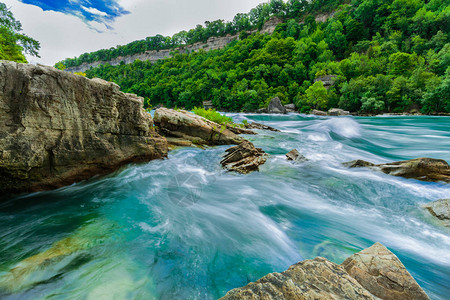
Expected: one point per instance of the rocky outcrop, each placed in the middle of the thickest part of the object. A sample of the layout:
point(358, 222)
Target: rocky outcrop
point(290, 107)
point(244, 158)
point(425, 169)
point(57, 128)
point(239, 130)
point(380, 272)
point(275, 106)
point(373, 273)
point(440, 209)
point(255, 125)
point(186, 127)
point(338, 112)
point(295, 156)
point(319, 112)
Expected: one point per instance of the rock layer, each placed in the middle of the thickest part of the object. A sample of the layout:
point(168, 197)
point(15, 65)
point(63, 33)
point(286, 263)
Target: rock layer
point(425, 169)
point(244, 158)
point(187, 127)
point(57, 128)
point(373, 273)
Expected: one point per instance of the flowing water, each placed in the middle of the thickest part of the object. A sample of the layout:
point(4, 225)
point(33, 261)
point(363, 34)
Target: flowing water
point(183, 228)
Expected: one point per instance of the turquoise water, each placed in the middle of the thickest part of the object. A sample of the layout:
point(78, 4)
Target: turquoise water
point(183, 228)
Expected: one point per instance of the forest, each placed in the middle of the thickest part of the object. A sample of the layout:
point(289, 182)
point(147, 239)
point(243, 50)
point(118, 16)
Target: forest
point(384, 55)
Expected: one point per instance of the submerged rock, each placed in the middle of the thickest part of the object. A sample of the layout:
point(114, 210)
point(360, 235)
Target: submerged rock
point(189, 127)
point(275, 106)
point(440, 209)
point(319, 112)
point(380, 272)
point(58, 128)
point(294, 155)
point(255, 125)
point(373, 273)
point(244, 158)
point(425, 169)
point(338, 112)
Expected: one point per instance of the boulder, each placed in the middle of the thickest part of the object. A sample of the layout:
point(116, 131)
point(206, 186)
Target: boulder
point(338, 112)
point(425, 169)
point(380, 272)
point(290, 107)
point(244, 158)
point(275, 106)
point(440, 209)
point(319, 112)
point(294, 155)
point(373, 273)
point(255, 125)
point(57, 128)
point(187, 126)
point(318, 278)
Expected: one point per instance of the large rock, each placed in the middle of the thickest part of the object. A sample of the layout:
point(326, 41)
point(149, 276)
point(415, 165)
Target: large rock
point(380, 272)
point(244, 158)
point(254, 125)
point(426, 169)
point(290, 107)
point(57, 128)
point(440, 209)
point(373, 273)
point(310, 279)
point(275, 106)
point(188, 126)
point(338, 112)
point(319, 112)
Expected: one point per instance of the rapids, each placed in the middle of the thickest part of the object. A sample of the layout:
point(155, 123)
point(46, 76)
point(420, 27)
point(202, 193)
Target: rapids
point(183, 228)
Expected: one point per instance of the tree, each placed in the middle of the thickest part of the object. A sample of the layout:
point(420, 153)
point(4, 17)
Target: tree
point(12, 42)
point(316, 96)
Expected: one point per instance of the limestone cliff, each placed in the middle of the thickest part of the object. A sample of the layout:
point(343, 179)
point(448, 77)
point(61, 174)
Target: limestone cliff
point(57, 128)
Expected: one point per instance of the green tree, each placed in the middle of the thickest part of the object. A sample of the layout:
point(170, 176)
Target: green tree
point(316, 96)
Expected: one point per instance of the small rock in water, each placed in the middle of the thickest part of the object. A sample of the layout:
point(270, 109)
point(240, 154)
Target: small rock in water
point(275, 107)
point(359, 163)
point(255, 125)
point(440, 209)
point(244, 158)
point(294, 155)
point(318, 112)
point(290, 107)
point(338, 112)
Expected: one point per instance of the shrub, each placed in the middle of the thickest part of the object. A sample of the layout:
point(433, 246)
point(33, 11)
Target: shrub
point(212, 115)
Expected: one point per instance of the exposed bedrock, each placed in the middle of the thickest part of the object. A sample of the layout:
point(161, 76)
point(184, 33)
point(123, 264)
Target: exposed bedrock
point(57, 128)
point(425, 169)
point(374, 273)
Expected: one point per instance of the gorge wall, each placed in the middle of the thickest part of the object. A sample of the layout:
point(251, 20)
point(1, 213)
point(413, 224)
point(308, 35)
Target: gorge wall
point(57, 128)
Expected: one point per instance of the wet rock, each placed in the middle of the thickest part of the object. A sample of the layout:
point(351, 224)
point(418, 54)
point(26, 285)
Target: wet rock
point(187, 126)
point(294, 155)
point(239, 130)
point(319, 112)
point(244, 158)
point(290, 107)
point(275, 106)
point(425, 169)
point(255, 125)
point(338, 112)
point(310, 279)
point(57, 128)
point(380, 272)
point(440, 209)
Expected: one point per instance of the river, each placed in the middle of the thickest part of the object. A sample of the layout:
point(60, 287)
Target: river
point(183, 228)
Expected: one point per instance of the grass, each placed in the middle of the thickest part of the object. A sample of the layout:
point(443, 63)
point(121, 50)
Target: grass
point(213, 115)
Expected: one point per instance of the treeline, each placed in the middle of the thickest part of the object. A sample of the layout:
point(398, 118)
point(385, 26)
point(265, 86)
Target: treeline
point(385, 55)
point(242, 22)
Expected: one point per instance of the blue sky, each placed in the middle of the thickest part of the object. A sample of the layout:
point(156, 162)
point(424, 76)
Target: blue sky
point(68, 28)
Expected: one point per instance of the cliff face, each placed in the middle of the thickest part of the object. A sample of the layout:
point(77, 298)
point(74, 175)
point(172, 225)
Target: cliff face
point(57, 128)
point(212, 43)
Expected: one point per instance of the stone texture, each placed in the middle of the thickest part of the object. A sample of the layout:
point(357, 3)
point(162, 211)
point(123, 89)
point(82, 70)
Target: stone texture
point(294, 155)
point(380, 272)
point(254, 125)
point(244, 158)
point(425, 169)
point(240, 130)
point(188, 126)
point(57, 128)
point(309, 279)
point(319, 112)
point(275, 106)
point(290, 107)
point(440, 209)
point(338, 112)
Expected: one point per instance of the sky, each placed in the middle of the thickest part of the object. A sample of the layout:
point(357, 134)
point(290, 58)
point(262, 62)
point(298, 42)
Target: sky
point(68, 28)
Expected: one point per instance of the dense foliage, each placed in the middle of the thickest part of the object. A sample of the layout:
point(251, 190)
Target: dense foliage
point(12, 42)
point(387, 55)
point(212, 115)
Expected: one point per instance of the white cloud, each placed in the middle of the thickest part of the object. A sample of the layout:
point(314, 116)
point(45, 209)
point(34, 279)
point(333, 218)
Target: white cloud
point(62, 36)
point(94, 11)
